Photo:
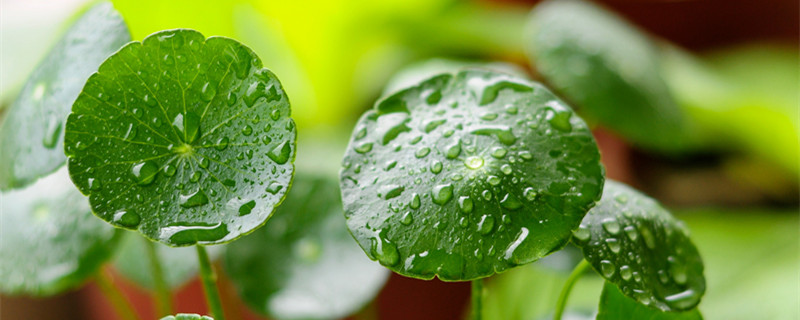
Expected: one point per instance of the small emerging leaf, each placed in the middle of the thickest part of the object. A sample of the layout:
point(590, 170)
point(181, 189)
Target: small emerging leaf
point(50, 240)
point(304, 264)
point(616, 306)
point(185, 139)
point(187, 316)
point(638, 246)
point(179, 265)
point(466, 175)
point(32, 132)
point(606, 67)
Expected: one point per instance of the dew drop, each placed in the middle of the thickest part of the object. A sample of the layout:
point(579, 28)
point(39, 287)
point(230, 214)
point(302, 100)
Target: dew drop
point(625, 272)
point(247, 207)
point(465, 204)
point(390, 191)
point(442, 193)
point(194, 199)
point(422, 152)
point(281, 153)
point(474, 162)
point(499, 152)
point(222, 143)
point(126, 219)
point(529, 194)
point(611, 225)
point(486, 225)
point(436, 167)
point(364, 147)
point(454, 150)
point(144, 172)
point(510, 202)
point(407, 218)
point(493, 180)
point(385, 251)
point(582, 233)
point(52, 132)
point(613, 245)
point(208, 92)
point(607, 268)
point(631, 232)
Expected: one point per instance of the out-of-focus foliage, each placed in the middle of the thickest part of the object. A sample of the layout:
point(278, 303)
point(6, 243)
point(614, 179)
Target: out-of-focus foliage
point(743, 99)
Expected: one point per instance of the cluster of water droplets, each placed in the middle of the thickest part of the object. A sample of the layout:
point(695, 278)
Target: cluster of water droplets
point(639, 247)
point(446, 166)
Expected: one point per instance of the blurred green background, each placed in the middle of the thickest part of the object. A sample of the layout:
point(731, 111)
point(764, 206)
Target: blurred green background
point(732, 66)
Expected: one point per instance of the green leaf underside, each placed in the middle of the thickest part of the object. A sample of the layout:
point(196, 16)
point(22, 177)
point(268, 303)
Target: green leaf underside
point(186, 139)
point(50, 240)
point(304, 264)
point(179, 264)
point(467, 175)
point(31, 134)
point(608, 68)
point(638, 246)
point(187, 316)
point(616, 306)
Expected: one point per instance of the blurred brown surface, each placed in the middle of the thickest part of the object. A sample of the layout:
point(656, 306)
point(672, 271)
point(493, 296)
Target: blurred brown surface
point(708, 24)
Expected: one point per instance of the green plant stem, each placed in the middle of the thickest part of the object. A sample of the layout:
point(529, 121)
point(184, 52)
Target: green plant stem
point(209, 280)
point(121, 305)
point(573, 277)
point(477, 299)
point(163, 297)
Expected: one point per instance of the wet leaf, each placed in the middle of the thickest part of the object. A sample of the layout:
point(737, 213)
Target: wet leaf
point(31, 134)
point(179, 265)
point(468, 174)
point(616, 306)
point(185, 139)
point(50, 240)
point(303, 264)
point(608, 68)
point(187, 316)
point(638, 246)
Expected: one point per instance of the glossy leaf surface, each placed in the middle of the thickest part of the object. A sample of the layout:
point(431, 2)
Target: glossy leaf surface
point(468, 174)
point(186, 139)
point(616, 306)
point(179, 265)
point(608, 68)
point(32, 132)
point(304, 264)
point(637, 245)
point(51, 242)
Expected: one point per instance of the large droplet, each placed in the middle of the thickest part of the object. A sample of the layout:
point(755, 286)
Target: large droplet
point(510, 202)
point(281, 153)
point(465, 204)
point(474, 162)
point(683, 300)
point(144, 172)
point(502, 133)
point(560, 119)
point(52, 132)
point(182, 233)
point(126, 219)
point(364, 147)
point(486, 225)
point(390, 191)
point(607, 268)
point(208, 92)
point(433, 124)
point(415, 201)
point(490, 92)
point(194, 199)
point(625, 272)
point(611, 225)
point(442, 193)
point(454, 150)
point(385, 251)
point(247, 207)
point(509, 254)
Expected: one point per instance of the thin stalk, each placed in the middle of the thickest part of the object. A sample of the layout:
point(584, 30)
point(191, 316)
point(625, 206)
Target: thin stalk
point(477, 299)
point(121, 305)
point(209, 279)
point(163, 297)
point(573, 277)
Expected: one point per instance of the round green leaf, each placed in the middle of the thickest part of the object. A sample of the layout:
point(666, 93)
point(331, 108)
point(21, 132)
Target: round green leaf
point(185, 139)
point(31, 134)
point(637, 245)
point(616, 306)
point(50, 240)
point(466, 175)
point(606, 67)
point(304, 264)
point(179, 265)
point(187, 316)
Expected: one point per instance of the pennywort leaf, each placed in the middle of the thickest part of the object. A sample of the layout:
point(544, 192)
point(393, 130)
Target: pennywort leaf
point(608, 68)
point(638, 246)
point(304, 264)
point(616, 306)
point(468, 174)
point(185, 139)
point(32, 132)
point(50, 240)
